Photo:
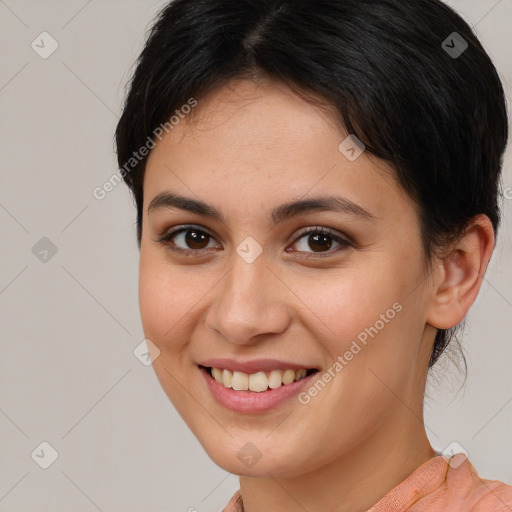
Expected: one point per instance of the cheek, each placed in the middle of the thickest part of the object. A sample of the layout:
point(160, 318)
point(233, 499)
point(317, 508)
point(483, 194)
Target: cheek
point(163, 298)
point(164, 310)
point(342, 304)
point(369, 317)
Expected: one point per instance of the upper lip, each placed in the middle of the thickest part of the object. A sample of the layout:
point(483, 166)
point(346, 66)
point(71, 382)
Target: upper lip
point(252, 366)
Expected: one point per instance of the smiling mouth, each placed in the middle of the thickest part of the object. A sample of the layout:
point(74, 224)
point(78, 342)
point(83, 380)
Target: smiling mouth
point(259, 381)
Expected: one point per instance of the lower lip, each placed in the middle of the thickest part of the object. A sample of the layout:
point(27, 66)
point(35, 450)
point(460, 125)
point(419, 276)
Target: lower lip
point(250, 401)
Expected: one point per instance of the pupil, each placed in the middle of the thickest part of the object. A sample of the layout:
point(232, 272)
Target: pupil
point(194, 239)
point(323, 241)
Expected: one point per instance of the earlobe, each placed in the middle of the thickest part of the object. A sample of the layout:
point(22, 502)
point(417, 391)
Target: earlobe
point(461, 275)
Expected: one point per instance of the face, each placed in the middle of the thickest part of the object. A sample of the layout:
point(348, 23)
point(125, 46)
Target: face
point(259, 288)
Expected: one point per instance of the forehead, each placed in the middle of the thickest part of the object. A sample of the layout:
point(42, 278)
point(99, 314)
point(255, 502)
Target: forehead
point(255, 116)
point(255, 143)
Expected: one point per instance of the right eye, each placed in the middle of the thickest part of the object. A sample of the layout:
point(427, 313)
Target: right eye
point(193, 240)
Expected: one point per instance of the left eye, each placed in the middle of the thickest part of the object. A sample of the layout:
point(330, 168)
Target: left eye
point(320, 240)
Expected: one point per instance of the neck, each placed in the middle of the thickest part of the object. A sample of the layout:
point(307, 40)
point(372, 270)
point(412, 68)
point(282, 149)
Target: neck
point(353, 482)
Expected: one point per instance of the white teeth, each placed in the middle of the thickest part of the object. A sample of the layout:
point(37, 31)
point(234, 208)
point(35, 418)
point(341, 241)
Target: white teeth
point(275, 379)
point(288, 376)
point(240, 381)
point(257, 382)
point(217, 374)
point(227, 377)
point(300, 374)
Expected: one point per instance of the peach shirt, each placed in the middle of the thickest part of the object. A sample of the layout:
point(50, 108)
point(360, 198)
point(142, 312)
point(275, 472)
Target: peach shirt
point(441, 484)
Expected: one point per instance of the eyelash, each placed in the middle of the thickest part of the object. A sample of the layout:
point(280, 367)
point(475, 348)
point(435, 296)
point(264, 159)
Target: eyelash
point(167, 237)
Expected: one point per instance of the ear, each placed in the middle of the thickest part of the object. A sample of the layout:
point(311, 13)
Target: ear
point(458, 278)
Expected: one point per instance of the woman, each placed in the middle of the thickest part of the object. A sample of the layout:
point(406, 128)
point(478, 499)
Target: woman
point(316, 185)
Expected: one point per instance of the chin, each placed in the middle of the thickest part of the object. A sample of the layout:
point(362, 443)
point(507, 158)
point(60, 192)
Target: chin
point(244, 458)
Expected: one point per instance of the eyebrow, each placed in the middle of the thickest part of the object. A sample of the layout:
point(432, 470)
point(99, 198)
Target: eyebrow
point(337, 204)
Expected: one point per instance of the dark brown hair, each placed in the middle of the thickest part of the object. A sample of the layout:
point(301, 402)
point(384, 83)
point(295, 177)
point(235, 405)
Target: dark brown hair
point(409, 79)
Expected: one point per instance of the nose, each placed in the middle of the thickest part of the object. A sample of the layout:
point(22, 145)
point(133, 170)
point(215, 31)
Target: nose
point(250, 304)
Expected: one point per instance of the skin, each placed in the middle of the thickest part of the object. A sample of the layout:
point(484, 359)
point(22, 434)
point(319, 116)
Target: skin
point(247, 148)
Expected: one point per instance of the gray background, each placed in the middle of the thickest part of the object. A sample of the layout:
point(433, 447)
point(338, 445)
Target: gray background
point(68, 375)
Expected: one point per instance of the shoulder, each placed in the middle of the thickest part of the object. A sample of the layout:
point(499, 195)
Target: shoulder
point(447, 485)
point(465, 487)
point(491, 495)
point(234, 504)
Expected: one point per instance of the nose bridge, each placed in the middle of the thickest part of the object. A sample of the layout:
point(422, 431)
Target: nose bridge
point(247, 303)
